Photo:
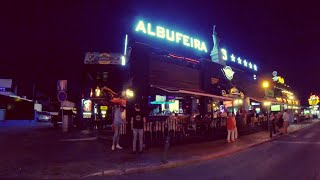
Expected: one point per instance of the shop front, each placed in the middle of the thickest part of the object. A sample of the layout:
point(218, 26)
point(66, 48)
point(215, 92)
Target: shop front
point(187, 94)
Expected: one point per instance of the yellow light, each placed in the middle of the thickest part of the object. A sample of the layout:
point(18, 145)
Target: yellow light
point(97, 92)
point(129, 93)
point(265, 84)
point(267, 103)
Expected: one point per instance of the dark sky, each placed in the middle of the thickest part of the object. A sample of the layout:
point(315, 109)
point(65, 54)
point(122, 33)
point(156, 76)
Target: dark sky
point(42, 41)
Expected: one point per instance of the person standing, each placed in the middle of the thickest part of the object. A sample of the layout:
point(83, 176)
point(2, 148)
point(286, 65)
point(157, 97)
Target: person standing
point(137, 124)
point(273, 123)
point(235, 127)
point(117, 123)
point(286, 118)
point(230, 128)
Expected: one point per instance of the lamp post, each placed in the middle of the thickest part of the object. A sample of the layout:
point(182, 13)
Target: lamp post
point(267, 104)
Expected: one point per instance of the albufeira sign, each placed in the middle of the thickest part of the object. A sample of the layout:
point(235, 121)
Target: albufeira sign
point(170, 35)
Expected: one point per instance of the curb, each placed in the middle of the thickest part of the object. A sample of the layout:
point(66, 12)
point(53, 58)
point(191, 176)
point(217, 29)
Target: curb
point(177, 163)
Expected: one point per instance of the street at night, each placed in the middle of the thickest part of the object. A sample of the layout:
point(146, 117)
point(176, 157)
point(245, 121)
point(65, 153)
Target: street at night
point(149, 89)
point(291, 157)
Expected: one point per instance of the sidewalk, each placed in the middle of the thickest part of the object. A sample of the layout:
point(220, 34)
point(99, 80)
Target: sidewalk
point(44, 153)
point(187, 154)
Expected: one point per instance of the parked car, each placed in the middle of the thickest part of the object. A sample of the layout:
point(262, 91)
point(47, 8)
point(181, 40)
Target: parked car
point(42, 116)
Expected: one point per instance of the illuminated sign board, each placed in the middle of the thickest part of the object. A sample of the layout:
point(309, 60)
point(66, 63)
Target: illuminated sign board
point(233, 58)
point(170, 35)
point(313, 100)
point(228, 72)
point(277, 78)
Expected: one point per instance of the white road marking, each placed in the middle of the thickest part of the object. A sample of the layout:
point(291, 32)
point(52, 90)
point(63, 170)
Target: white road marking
point(81, 139)
point(297, 142)
point(309, 135)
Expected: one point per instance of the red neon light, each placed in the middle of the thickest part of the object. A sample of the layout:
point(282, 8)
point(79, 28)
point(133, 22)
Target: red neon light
point(185, 58)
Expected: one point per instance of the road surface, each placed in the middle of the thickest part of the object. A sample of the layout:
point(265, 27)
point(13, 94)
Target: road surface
point(296, 156)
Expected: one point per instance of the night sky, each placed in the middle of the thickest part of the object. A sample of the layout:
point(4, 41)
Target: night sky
point(43, 41)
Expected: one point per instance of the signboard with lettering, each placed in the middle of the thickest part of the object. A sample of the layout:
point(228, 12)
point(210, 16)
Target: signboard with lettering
point(228, 72)
point(170, 35)
point(102, 58)
point(277, 78)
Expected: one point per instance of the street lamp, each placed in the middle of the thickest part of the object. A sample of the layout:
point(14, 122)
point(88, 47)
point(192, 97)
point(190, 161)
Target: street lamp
point(268, 104)
point(129, 93)
point(265, 84)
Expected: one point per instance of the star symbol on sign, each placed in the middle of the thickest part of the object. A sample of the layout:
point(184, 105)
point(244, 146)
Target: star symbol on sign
point(245, 63)
point(250, 65)
point(239, 60)
point(255, 67)
point(233, 58)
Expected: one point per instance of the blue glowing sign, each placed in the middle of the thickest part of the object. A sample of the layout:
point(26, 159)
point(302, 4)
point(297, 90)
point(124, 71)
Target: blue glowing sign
point(169, 35)
point(245, 63)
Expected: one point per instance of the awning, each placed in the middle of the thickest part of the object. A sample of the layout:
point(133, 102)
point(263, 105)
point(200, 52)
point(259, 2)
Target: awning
point(170, 90)
point(261, 100)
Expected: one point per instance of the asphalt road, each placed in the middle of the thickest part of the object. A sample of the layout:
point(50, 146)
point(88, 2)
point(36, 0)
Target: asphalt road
point(294, 157)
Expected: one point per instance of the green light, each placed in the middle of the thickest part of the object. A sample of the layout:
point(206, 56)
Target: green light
point(141, 27)
point(186, 40)
point(161, 32)
point(173, 36)
point(224, 54)
point(168, 35)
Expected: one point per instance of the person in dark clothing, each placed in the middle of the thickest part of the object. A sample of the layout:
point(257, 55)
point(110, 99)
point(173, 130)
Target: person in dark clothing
point(137, 124)
point(273, 123)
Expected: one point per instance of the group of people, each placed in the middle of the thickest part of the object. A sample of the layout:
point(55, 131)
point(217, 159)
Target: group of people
point(280, 122)
point(137, 124)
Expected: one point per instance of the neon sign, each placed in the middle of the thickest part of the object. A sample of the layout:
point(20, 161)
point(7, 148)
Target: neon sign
point(313, 100)
point(245, 63)
point(169, 35)
point(228, 72)
point(277, 78)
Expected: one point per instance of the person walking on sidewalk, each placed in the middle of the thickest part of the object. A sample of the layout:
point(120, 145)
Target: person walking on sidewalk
point(286, 118)
point(137, 124)
point(117, 122)
point(230, 128)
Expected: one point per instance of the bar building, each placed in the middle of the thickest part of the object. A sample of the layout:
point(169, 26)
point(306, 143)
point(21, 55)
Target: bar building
point(171, 79)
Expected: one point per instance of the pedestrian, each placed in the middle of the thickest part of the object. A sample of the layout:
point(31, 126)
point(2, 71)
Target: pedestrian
point(273, 123)
point(235, 127)
point(137, 124)
point(279, 122)
point(230, 128)
point(286, 118)
point(117, 123)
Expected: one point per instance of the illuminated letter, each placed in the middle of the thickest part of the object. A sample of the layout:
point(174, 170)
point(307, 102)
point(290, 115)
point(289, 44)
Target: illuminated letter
point(239, 60)
point(224, 54)
point(141, 27)
point(196, 44)
point(245, 63)
point(168, 35)
point(250, 65)
point(150, 30)
point(161, 33)
point(186, 40)
point(203, 47)
point(191, 42)
point(178, 37)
